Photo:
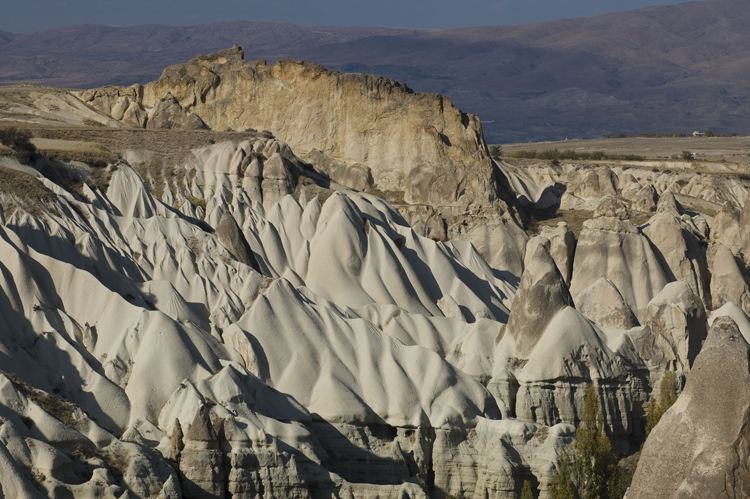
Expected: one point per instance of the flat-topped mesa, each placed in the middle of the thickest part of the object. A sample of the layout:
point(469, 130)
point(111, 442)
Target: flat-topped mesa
point(418, 143)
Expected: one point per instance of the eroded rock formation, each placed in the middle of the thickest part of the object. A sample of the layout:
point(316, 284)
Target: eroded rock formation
point(699, 448)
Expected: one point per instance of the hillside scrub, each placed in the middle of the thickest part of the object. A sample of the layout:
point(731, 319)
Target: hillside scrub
point(556, 155)
point(19, 141)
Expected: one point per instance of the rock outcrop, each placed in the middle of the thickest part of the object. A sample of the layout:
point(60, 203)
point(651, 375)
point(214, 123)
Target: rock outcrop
point(610, 206)
point(681, 245)
point(699, 448)
point(540, 296)
point(415, 143)
point(603, 304)
point(167, 113)
point(646, 199)
point(201, 466)
point(728, 282)
point(615, 249)
point(562, 244)
point(674, 328)
point(729, 229)
point(231, 236)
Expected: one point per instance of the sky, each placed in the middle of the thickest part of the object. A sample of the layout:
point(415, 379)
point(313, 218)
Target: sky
point(28, 16)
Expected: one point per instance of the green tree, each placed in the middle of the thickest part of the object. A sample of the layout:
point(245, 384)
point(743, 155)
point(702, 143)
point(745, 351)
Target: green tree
point(595, 473)
point(667, 397)
point(526, 492)
point(496, 151)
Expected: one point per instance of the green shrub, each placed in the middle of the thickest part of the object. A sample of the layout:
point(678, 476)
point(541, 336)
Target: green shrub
point(667, 397)
point(526, 492)
point(595, 473)
point(496, 151)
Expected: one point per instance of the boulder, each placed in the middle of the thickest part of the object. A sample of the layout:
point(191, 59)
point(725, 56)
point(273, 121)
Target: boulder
point(610, 206)
point(700, 446)
point(646, 199)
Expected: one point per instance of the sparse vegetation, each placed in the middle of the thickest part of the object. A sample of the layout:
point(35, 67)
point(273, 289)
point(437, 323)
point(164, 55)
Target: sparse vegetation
point(197, 202)
point(667, 135)
point(22, 185)
point(556, 155)
point(496, 151)
point(542, 433)
point(53, 405)
point(393, 197)
point(93, 154)
point(648, 135)
point(19, 141)
point(38, 477)
point(687, 156)
point(667, 397)
point(595, 473)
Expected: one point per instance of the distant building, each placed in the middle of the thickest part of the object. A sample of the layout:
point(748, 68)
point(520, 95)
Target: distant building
point(699, 134)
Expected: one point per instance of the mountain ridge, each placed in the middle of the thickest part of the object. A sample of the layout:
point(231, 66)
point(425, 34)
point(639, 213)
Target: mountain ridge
point(670, 68)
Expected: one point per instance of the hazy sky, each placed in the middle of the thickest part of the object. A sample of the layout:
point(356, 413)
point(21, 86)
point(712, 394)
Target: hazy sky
point(26, 16)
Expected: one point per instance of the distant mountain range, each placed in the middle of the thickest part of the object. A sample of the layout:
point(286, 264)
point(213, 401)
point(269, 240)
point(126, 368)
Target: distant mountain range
point(672, 68)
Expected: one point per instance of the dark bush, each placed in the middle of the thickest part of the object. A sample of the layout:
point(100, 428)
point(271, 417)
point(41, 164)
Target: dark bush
point(19, 141)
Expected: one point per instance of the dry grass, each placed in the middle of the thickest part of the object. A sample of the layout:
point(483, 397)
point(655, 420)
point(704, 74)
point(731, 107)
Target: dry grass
point(197, 202)
point(90, 156)
point(639, 218)
point(23, 185)
point(392, 197)
point(21, 190)
point(52, 404)
point(541, 434)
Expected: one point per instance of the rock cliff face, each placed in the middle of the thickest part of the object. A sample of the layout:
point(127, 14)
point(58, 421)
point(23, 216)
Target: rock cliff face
point(416, 143)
